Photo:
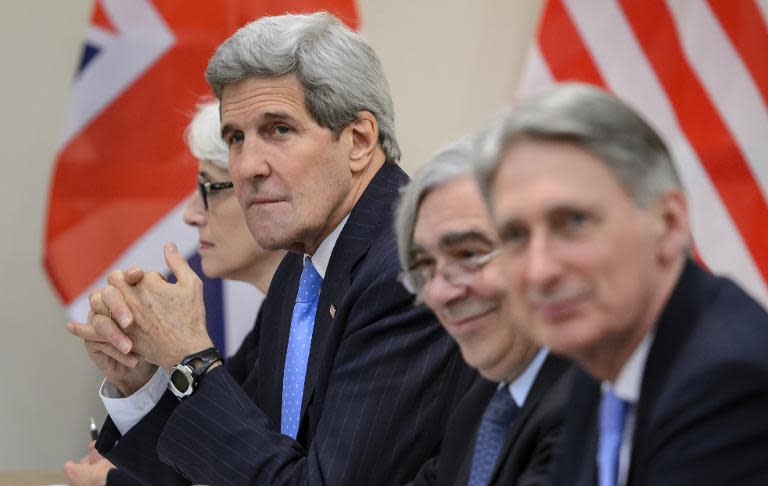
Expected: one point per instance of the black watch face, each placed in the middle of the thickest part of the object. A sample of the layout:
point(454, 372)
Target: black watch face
point(179, 381)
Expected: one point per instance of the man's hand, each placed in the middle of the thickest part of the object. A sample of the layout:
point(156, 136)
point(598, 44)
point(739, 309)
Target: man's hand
point(92, 469)
point(127, 372)
point(164, 321)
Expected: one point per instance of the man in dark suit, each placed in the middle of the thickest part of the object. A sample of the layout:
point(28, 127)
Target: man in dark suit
point(594, 226)
point(342, 381)
point(504, 429)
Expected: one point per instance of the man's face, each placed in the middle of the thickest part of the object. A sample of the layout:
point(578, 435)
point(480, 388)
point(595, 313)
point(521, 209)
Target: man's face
point(452, 223)
point(582, 260)
point(290, 174)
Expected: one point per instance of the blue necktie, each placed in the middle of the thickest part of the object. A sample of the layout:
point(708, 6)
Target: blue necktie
point(613, 410)
point(491, 434)
point(299, 343)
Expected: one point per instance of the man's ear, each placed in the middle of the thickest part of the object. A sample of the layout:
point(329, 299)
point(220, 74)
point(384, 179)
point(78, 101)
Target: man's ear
point(364, 133)
point(672, 226)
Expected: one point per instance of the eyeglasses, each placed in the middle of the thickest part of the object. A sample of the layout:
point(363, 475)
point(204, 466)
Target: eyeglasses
point(461, 271)
point(205, 188)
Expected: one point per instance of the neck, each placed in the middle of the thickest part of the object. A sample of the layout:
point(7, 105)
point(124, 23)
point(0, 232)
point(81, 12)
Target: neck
point(360, 182)
point(521, 363)
point(606, 360)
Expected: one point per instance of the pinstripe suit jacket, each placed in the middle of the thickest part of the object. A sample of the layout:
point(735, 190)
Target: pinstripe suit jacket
point(381, 380)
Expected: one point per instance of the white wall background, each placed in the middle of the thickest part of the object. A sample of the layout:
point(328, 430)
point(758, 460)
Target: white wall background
point(451, 65)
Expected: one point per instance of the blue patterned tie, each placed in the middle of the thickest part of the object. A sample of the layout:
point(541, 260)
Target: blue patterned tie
point(299, 341)
point(491, 435)
point(613, 410)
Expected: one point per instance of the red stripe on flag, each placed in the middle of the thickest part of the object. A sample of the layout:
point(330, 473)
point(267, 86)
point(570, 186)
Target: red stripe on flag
point(748, 32)
point(561, 45)
point(100, 18)
point(709, 136)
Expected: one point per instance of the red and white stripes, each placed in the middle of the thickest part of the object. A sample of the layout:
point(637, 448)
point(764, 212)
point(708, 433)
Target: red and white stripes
point(698, 72)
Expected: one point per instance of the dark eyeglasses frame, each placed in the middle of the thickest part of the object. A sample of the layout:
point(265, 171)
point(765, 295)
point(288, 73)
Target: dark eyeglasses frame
point(206, 188)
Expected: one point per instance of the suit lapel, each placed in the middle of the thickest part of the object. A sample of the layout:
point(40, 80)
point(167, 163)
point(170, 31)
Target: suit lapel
point(672, 330)
point(552, 368)
point(370, 216)
point(275, 330)
point(476, 400)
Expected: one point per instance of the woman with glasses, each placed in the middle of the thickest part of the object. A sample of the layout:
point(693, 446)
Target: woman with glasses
point(227, 250)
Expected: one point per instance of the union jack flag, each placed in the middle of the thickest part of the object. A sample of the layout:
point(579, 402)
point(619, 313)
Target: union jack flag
point(122, 172)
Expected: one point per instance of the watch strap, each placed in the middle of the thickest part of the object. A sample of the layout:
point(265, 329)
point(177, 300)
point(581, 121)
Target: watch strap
point(200, 362)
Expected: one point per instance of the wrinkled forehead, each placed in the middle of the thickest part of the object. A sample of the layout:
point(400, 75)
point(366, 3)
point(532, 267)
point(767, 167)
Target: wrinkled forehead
point(532, 173)
point(451, 214)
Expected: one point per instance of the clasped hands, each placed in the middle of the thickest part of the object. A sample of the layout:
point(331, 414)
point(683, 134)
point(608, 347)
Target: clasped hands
point(140, 321)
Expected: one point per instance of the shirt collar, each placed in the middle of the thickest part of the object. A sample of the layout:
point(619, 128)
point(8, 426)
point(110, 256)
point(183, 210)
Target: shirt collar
point(520, 388)
point(323, 254)
point(630, 378)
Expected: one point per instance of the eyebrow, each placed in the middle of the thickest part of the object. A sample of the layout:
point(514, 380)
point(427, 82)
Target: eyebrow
point(458, 237)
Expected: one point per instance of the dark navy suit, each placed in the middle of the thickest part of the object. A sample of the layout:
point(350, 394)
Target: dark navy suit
point(702, 417)
point(528, 453)
point(381, 380)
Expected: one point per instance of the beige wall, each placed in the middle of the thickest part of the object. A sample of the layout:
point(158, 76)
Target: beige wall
point(451, 65)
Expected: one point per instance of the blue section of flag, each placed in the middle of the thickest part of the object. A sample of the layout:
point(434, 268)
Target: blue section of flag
point(213, 297)
point(90, 52)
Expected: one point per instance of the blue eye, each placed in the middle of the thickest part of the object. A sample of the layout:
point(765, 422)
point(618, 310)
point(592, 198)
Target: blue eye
point(282, 129)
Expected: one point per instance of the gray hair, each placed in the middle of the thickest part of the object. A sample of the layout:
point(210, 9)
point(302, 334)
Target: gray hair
point(595, 121)
point(454, 160)
point(338, 70)
point(203, 135)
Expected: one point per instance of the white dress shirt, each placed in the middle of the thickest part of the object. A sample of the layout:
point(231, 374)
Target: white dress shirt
point(128, 411)
point(520, 388)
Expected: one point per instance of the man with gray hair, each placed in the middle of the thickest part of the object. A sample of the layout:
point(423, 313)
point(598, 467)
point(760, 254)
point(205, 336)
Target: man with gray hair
point(341, 381)
point(504, 429)
point(593, 224)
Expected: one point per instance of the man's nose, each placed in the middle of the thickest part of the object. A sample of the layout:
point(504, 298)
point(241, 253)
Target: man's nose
point(543, 266)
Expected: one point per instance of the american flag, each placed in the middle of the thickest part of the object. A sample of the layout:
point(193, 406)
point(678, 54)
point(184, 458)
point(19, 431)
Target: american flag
point(698, 72)
point(122, 172)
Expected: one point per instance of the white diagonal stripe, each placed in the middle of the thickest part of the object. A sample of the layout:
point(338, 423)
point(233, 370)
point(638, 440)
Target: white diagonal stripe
point(727, 81)
point(621, 61)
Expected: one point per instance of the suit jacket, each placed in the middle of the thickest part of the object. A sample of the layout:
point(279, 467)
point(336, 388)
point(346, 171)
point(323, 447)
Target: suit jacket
point(527, 456)
point(377, 394)
point(701, 417)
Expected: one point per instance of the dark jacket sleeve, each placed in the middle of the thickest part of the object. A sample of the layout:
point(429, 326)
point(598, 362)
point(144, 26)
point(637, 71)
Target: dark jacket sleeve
point(381, 416)
point(135, 452)
point(118, 477)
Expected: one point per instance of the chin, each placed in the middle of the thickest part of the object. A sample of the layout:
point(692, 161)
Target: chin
point(479, 360)
point(571, 342)
point(210, 270)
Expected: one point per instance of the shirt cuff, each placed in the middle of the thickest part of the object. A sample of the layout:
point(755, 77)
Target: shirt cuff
point(128, 411)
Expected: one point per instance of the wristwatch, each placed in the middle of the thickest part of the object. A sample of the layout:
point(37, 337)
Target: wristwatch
point(186, 375)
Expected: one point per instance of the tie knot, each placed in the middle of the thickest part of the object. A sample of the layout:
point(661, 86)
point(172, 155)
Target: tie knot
point(502, 408)
point(310, 283)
